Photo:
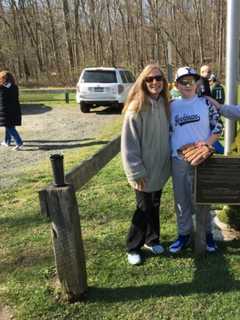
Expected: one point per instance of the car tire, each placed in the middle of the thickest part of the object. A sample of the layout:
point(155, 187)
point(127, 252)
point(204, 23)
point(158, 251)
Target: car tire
point(120, 106)
point(84, 107)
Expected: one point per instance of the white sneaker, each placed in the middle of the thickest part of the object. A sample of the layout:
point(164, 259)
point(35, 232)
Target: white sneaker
point(134, 258)
point(5, 144)
point(17, 147)
point(155, 249)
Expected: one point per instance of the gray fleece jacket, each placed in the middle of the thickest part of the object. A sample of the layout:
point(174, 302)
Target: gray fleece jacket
point(230, 111)
point(145, 146)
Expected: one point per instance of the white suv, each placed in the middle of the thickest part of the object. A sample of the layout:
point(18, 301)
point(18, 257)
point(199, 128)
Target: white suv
point(103, 87)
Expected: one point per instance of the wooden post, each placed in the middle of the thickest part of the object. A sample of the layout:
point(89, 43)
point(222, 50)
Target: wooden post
point(68, 248)
point(66, 96)
point(201, 229)
point(58, 202)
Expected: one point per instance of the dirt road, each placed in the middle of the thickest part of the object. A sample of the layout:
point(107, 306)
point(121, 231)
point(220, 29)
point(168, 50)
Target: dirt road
point(46, 130)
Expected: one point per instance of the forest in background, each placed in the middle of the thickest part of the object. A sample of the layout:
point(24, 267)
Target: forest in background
point(48, 42)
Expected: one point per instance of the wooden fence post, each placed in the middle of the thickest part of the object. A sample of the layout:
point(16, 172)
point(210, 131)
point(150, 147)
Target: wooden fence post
point(201, 229)
point(58, 202)
point(66, 96)
point(60, 205)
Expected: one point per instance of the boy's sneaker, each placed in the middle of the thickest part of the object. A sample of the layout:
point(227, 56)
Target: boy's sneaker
point(211, 245)
point(5, 144)
point(134, 258)
point(182, 242)
point(155, 248)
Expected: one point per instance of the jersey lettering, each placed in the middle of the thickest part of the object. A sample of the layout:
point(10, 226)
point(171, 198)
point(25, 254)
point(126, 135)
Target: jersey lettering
point(185, 119)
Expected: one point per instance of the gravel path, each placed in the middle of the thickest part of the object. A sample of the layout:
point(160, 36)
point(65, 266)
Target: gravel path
point(46, 130)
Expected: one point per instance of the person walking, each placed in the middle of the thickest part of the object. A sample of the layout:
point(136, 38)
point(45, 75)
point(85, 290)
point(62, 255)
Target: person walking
point(146, 158)
point(10, 110)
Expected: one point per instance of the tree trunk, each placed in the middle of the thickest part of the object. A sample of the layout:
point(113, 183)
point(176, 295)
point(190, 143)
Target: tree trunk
point(112, 59)
point(54, 37)
point(66, 15)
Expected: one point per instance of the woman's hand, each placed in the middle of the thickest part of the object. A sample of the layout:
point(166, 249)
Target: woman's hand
point(139, 184)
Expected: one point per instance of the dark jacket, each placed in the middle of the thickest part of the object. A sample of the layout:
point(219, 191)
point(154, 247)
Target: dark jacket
point(10, 110)
point(217, 92)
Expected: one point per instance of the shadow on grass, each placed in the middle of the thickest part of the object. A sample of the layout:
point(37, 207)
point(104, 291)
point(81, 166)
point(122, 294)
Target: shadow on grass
point(34, 108)
point(25, 261)
point(211, 275)
point(23, 221)
point(33, 145)
point(58, 141)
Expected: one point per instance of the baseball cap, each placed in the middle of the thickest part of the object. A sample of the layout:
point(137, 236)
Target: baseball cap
point(186, 71)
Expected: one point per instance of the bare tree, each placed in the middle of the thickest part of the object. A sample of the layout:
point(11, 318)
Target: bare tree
point(68, 29)
point(41, 37)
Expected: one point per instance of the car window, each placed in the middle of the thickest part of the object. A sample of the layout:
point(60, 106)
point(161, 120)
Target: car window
point(123, 76)
point(102, 76)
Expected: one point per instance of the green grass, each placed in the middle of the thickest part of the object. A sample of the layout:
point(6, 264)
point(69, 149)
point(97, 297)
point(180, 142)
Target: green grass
point(166, 287)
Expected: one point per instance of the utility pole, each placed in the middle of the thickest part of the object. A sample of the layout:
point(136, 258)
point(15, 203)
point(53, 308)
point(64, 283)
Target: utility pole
point(232, 60)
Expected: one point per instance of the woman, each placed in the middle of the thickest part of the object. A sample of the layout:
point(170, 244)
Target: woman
point(10, 111)
point(145, 156)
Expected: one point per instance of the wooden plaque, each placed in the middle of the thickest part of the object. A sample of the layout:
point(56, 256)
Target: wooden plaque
point(217, 180)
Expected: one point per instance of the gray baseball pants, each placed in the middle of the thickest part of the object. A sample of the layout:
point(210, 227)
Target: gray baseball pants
point(182, 174)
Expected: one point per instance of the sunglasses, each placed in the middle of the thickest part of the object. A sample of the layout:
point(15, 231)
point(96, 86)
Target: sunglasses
point(186, 82)
point(157, 78)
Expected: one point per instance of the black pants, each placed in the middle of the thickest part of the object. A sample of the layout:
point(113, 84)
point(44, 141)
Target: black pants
point(145, 226)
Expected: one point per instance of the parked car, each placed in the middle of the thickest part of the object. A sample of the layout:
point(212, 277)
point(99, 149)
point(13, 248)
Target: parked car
point(103, 87)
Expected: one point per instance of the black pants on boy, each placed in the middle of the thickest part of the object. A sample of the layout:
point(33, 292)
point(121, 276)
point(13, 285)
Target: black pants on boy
point(145, 226)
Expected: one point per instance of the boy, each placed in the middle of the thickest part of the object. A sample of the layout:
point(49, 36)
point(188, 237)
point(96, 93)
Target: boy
point(193, 120)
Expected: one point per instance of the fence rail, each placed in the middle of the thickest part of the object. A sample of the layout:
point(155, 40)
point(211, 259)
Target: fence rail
point(36, 94)
point(48, 90)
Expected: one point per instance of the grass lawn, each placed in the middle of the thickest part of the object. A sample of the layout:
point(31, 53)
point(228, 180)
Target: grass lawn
point(165, 287)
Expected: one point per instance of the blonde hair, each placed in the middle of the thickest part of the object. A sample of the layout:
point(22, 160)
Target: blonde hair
point(204, 68)
point(138, 95)
point(6, 76)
